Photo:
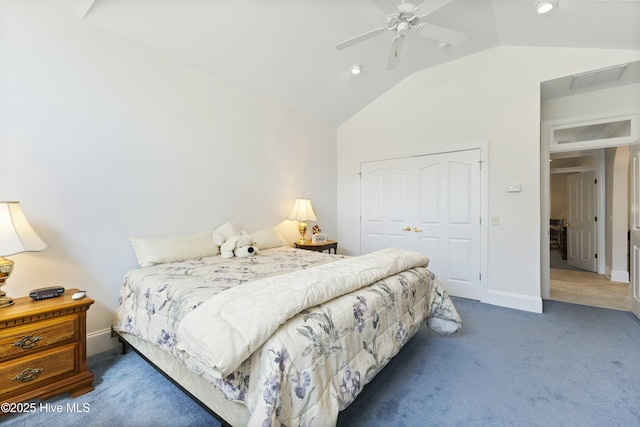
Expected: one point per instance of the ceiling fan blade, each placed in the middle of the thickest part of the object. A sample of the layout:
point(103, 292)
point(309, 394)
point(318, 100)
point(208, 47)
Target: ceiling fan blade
point(394, 53)
point(442, 34)
point(387, 6)
point(430, 6)
point(361, 37)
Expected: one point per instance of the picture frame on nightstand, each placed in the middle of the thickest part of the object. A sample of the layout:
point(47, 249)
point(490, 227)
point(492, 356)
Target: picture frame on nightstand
point(319, 238)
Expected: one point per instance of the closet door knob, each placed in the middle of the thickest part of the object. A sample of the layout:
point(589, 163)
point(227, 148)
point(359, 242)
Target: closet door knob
point(417, 230)
point(407, 228)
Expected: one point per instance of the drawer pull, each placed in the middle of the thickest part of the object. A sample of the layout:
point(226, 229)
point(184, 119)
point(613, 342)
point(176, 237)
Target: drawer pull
point(27, 343)
point(27, 375)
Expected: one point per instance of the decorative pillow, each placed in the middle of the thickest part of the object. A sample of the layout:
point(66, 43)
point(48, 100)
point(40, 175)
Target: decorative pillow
point(150, 251)
point(268, 238)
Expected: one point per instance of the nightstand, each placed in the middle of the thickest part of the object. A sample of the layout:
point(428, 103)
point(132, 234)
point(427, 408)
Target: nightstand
point(43, 348)
point(324, 246)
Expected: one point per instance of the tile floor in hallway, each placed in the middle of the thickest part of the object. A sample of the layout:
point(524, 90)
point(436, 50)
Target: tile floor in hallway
point(583, 287)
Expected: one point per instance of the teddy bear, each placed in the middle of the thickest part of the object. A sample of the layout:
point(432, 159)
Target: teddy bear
point(233, 241)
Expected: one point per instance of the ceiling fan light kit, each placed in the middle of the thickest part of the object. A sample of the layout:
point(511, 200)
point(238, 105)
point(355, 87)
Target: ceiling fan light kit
point(404, 19)
point(544, 6)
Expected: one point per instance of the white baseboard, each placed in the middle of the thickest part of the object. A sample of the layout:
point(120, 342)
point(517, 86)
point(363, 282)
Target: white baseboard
point(619, 276)
point(101, 341)
point(515, 301)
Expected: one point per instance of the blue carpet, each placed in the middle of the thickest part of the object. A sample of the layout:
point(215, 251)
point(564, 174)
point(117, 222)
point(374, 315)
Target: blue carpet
point(128, 392)
point(571, 366)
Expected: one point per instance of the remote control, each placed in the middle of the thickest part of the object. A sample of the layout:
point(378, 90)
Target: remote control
point(78, 295)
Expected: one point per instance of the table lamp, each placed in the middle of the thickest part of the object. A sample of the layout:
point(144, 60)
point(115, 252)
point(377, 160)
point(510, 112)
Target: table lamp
point(302, 212)
point(16, 236)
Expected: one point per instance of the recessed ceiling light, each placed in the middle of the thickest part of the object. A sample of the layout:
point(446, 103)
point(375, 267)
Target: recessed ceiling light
point(355, 69)
point(544, 6)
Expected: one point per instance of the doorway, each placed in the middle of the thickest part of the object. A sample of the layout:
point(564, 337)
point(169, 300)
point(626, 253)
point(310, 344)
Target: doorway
point(575, 275)
point(599, 116)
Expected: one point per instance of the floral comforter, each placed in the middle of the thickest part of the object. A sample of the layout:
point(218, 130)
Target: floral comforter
point(316, 363)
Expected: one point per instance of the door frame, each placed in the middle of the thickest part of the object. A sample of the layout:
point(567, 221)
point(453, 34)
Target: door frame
point(545, 215)
point(483, 146)
point(634, 290)
point(546, 149)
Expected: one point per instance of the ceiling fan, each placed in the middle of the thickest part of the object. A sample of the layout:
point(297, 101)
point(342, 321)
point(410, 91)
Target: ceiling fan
point(403, 18)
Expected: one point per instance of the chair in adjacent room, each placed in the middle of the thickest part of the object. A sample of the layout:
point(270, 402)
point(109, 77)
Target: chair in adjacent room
point(555, 230)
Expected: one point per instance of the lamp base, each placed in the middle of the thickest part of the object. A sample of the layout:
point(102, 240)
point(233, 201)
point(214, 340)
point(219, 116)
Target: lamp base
point(6, 267)
point(302, 228)
point(5, 301)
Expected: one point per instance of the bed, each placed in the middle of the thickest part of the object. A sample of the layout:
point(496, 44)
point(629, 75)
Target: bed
point(281, 338)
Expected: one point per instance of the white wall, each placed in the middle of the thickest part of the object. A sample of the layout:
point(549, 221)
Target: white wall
point(617, 208)
point(103, 139)
point(494, 96)
point(586, 105)
point(558, 192)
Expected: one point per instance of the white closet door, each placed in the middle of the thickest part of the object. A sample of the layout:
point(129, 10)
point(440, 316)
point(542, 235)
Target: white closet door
point(429, 204)
point(387, 194)
point(448, 219)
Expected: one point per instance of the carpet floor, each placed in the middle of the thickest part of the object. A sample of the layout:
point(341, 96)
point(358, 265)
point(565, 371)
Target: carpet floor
point(573, 365)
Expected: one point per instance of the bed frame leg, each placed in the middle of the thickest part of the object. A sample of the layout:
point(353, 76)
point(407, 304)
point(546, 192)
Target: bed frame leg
point(125, 346)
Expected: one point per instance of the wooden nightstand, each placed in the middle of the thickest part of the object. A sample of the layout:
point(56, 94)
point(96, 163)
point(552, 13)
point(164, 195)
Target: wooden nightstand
point(43, 348)
point(324, 246)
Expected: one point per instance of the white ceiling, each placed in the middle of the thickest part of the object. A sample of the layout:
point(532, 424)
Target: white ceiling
point(284, 49)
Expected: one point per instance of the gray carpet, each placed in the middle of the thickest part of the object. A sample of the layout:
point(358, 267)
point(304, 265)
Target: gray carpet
point(571, 366)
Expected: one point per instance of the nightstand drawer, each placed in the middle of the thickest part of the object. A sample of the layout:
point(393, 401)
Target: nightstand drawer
point(29, 372)
point(26, 339)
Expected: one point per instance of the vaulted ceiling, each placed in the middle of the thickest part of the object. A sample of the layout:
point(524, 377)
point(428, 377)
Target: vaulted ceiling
point(285, 49)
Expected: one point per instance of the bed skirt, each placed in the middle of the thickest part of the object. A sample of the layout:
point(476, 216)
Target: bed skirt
point(206, 394)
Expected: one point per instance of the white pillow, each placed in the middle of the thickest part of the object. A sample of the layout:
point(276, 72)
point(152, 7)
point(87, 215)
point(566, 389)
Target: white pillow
point(150, 251)
point(268, 238)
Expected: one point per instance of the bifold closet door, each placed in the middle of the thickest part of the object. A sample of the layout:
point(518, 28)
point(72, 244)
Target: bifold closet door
point(429, 204)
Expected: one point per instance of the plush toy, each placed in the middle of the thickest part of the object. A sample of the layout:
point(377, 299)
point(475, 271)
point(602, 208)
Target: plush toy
point(233, 241)
point(239, 245)
point(246, 251)
point(224, 232)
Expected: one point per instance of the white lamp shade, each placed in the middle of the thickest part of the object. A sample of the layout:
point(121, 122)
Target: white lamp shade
point(302, 211)
point(16, 235)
